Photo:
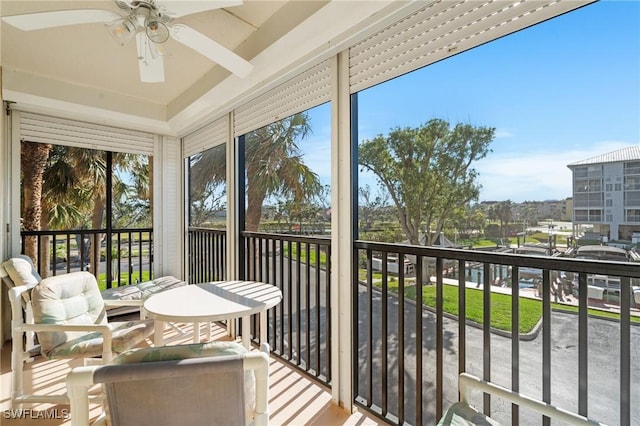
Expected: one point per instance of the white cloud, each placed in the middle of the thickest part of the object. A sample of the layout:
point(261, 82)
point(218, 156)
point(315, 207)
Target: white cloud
point(503, 133)
point(534, 176)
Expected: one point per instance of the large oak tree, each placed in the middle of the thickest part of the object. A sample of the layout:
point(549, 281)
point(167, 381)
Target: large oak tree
point(427, 171)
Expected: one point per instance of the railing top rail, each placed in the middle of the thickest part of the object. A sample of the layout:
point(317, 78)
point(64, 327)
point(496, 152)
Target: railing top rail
point(203, 228)
point(83, 231)
point(288, 237)
point(271, 235)
point(627, 269)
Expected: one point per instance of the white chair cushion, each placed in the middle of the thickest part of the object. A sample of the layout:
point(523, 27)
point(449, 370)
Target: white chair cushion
point(171, 353)
point(159, 284)
point(66, 299)
point(21, 271)
point(75, 299)
point(125, 335)
point(143, 289)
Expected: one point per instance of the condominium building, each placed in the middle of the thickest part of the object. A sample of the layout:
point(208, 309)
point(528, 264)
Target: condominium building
point(606, 193)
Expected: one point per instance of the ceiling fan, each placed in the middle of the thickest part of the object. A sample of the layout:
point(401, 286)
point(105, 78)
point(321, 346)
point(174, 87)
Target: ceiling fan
point(151, 25)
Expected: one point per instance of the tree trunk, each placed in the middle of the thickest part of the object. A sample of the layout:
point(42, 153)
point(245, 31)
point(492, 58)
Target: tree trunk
point(45, 247)
point(96, 239)
point(255, 197)
point(33, 158)
point(44, 255)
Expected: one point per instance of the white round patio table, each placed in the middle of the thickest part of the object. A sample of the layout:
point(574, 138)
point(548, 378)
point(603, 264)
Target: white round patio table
point(213, 301)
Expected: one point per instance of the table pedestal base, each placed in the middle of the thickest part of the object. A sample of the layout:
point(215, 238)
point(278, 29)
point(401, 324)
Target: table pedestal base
point(158, 337)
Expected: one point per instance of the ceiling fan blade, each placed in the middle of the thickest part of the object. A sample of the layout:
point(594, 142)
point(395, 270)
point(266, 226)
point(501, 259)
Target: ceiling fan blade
point(151, 65)
point(176, 9)
point(211, 49)
point(59, 18)
point(123, 5)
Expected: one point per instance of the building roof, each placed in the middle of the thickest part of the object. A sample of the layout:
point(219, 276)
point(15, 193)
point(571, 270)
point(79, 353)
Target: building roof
point(625, 154)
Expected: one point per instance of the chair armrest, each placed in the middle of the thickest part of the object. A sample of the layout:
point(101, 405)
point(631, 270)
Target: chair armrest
point(467, 382)
point(99, 328)
point(104, 329)
point(78, 382)
point(259, 363)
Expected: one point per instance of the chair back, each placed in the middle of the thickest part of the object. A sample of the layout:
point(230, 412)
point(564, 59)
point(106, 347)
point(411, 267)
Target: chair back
point(19, 270)
point(195, 391)
point(66, 299)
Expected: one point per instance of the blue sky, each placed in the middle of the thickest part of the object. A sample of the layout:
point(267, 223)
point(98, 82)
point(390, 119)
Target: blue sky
point(563, 91)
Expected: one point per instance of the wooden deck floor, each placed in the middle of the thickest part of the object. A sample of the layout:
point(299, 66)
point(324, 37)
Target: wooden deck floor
point(293, 398)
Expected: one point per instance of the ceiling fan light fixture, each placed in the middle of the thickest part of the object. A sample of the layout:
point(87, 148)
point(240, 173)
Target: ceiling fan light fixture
point(157, 49)
point(122, 30)
point(156, 31)
point(151, 25)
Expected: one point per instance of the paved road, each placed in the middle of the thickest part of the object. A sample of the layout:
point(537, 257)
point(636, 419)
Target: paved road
point(603, 364)
point(603, 360)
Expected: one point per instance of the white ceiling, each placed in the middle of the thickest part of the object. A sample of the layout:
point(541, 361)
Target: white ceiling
point(81, 71)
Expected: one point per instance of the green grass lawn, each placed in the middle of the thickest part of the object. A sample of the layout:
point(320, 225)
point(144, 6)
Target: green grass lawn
point(501, 316)
point(306, 257)
point(124, 279)
point(538, 237)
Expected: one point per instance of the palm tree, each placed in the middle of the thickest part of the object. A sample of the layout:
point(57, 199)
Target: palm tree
point(66, 201)
point(274, 167)
point(207, 180)
point(132, 178)
point(33, 157)
point(91, 167)
point(74, 189)
point(504, 214)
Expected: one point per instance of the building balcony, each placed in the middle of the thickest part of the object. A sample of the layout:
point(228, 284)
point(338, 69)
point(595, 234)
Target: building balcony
point(384, 329)
point(406, 345)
